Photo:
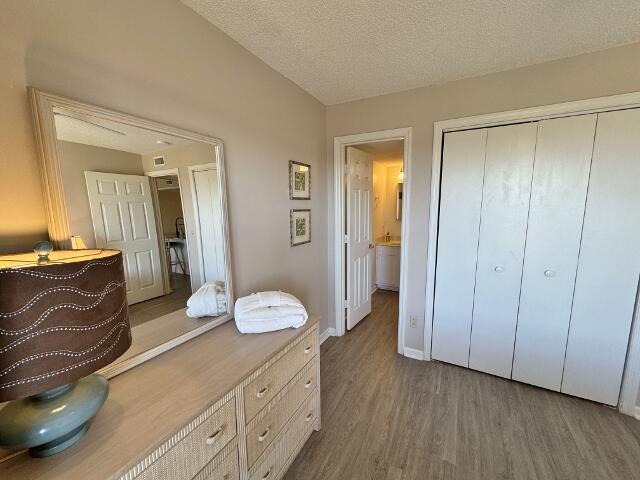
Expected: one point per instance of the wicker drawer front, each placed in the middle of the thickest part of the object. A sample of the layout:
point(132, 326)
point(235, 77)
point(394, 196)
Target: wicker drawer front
point(228, 469)
point(197, 449)
point(265, 386)
point(261, 433)
point(269, 468)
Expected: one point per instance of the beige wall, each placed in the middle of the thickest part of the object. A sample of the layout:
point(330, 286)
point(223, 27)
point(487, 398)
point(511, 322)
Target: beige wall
point(385, 183)
point(379, 199)
point(392, 225)
point(159, 60)
point(75, 159)
point(593, 75)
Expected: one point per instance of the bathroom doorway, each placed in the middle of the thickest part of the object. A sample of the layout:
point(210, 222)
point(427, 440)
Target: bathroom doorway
point(370, 212)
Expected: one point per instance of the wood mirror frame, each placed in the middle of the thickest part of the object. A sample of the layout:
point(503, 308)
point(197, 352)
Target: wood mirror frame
point(43, 105)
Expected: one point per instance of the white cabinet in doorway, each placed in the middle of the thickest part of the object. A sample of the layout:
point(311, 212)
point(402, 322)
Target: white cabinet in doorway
point(388, 266)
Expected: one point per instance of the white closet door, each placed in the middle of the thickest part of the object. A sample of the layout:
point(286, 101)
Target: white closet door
point(560, 179)
point(609, 267)
point(209, 224)
point(503, 230)
point(460, 202)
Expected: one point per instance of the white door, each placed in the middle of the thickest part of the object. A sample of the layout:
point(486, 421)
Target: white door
point(559, 191)
point(209, 224)
point(123, 218)
point(359, 229)
point(607, 279)
point(460, 203)
point(503, 230)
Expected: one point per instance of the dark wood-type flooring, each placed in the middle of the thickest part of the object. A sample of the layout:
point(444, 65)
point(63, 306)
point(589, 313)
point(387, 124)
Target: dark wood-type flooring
point(388, 417)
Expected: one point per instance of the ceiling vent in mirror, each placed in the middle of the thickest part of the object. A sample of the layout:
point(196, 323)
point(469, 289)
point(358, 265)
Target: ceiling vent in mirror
point(158, 161)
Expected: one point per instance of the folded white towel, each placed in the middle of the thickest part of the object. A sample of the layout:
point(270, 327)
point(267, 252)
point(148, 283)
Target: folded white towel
point(270, 324)
point(269, 311)
point(266, 299)
point(209, 301)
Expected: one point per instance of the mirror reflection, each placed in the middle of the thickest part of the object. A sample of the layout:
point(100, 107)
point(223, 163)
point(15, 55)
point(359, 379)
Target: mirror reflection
point(155, 197)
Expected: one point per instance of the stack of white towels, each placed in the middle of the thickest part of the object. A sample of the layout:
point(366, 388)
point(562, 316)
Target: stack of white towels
point(269, 311)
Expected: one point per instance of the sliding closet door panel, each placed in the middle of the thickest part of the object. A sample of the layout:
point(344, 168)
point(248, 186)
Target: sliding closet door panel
point(460, 202)
point(503, 229)
point(609, 267)
point(558, 196)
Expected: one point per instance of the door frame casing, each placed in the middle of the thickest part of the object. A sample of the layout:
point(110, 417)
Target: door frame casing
point(631, 375)
point(339, 156)
point(158, 213)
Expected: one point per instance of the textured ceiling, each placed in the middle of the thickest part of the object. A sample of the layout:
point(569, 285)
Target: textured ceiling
point(74, 127)
point(341, 50)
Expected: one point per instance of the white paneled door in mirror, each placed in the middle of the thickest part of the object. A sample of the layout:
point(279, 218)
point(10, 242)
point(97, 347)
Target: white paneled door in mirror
point(460, 203)
point(120, 211)
point(559, 191)
point(503, 230)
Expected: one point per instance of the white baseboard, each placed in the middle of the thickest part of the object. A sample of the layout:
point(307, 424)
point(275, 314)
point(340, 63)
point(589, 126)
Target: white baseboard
point(329, 332)
point(413, 353)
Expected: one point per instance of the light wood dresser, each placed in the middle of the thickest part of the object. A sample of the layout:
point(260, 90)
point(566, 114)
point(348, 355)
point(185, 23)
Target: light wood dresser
point(224, 406)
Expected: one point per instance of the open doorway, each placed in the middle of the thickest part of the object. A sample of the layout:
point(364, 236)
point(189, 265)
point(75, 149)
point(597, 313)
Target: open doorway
point(370, 204)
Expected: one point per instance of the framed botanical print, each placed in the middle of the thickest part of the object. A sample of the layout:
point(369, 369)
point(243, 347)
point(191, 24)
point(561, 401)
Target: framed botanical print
point(300, 226)
point(299, 181)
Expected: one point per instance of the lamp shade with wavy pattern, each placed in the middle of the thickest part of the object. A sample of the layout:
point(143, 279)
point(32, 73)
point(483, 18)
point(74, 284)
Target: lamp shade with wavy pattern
point(60, 320)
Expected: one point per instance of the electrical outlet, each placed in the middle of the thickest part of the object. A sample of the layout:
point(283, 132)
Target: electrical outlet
point(413, 322)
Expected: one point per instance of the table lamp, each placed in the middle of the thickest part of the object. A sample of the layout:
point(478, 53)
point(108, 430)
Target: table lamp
point(63, 316)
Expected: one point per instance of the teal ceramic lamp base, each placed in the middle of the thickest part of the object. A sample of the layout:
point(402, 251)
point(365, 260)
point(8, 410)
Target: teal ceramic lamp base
point(54, 420)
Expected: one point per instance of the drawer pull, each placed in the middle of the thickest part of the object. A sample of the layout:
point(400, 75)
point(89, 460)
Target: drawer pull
point(308, 349)
point(262, 392)
point(213, 438)
point(307, 385)
point(267, 474)
point(265, 434)
point(309, 417)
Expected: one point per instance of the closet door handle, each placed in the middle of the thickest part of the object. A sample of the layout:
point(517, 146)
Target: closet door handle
point(549, 273)
point(308, 417)
point(267, 474)
point(307, 350)
point(498, 269)
point(307, 385)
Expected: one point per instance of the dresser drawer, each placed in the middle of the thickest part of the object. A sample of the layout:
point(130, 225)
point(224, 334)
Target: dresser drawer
point(260, 433)
point(196, 449)
point(265, 386)
point(228, 469)
point(288, 443)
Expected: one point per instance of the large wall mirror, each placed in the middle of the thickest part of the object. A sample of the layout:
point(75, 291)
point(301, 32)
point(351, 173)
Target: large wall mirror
point(155, 192)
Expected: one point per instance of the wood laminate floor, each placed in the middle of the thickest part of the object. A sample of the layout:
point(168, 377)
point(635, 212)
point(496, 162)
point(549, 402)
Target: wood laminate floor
point(157, 307)
point(388, 417)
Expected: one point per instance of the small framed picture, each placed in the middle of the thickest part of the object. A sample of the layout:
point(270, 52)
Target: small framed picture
point(299, 181)
point(300, 226)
